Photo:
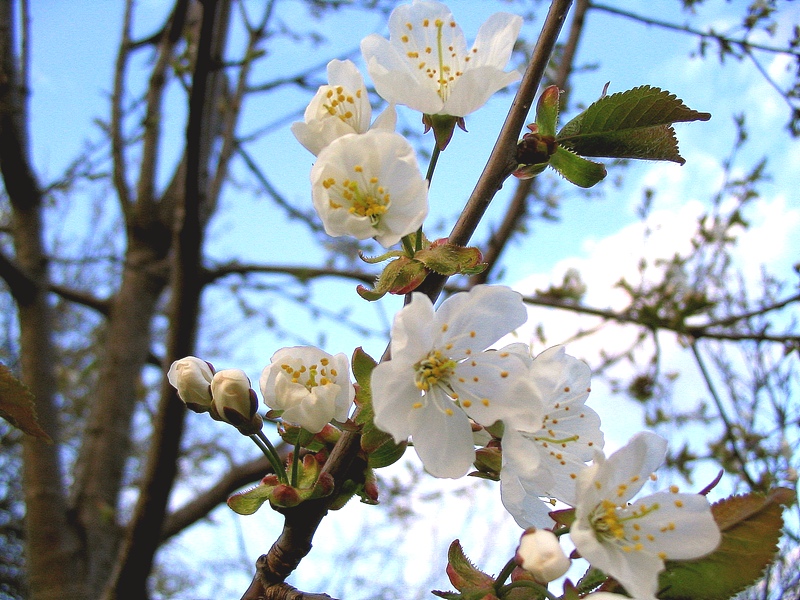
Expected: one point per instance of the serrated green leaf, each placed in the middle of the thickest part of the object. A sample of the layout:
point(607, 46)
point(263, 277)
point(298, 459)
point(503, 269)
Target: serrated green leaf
point(631, 124)
point(751, 527)
point(17, 405)
point(465, 576)
point(576, 169)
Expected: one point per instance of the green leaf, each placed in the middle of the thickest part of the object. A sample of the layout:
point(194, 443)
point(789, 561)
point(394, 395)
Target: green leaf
point(547, 111)
point(751, 527)
point(17, 405)
point(379, 446)
point(631, 124)
point(465, 576)
point(575, 169)
point(249, 501)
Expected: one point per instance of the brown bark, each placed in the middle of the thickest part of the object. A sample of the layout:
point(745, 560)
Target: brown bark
point(54, 569)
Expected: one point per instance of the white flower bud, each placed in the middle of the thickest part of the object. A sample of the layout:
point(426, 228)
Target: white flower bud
point(234, 401)
point(540, 553)
point(192, 377)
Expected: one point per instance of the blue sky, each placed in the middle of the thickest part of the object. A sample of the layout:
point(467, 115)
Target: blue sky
point(73, 52)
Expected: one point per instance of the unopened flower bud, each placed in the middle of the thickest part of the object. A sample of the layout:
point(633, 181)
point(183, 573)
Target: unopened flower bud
point(192, 377)
point(234, 401)
point(540, 553)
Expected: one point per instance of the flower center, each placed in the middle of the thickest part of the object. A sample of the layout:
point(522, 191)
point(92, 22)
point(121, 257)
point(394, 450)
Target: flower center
point(311, 376)
point(446, 66)
point(341, 104)
point(361, 196)
point(434, 369)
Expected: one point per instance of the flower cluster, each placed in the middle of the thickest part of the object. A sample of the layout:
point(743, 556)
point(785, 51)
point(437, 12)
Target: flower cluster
point(366, 182)
point(443, 379)
point(447, 386)
point(304, 385)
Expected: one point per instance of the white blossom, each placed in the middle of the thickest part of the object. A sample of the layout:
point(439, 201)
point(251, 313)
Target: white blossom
point(439, 374)
point(631, 541)
point(425, 63)
point(309, 385)
point(369, 185)
point(544, 460)
point(338, 108)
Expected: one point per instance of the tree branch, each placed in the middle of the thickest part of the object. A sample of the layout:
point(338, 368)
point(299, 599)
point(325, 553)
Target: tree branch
point(517, 208)
point(502, 160)
point(301, 273)
point(135, 558)
point(706, 35)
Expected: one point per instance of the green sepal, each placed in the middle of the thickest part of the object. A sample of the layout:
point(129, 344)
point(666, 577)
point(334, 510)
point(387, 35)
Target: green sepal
point(443, 127)
point(576, 169)
point(291, 433)
point(448, 259)
point(631, 124)
point(591, 580)
point(400, 276)
point(751, 528)
point(564, 517)
point(380, 448)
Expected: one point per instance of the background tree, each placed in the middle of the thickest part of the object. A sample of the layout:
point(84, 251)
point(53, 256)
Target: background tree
point(142, 274)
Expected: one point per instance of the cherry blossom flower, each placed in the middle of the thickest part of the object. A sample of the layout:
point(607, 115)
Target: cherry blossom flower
point(439, 375)
point(425, 63)
point(630, 542)
point(369, 185)
point(540, 553)
point(309, 385)
point(339, 108)
point(545, 460)
point(192, 377)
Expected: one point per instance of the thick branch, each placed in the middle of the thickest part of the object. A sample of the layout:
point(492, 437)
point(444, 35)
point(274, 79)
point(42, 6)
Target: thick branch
point(51, 543)
point(135, 559)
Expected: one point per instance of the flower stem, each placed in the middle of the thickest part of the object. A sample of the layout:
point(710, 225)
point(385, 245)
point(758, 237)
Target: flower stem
point(531, 585)
point(432, 163)
point(505, 574)
point(262, 441)
point(295, 461)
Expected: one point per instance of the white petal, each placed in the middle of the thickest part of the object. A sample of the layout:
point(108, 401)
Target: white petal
point(442, 437)
point(682, 527)
point(495, 40)
point(527, 510)
point(625, 472)
point(474, 88)
point(387, 120)
point(493, 386)
point(475, 320)
point(394, 394)
point(412, 330)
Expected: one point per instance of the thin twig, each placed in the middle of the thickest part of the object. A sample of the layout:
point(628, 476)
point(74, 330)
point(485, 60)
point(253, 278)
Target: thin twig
point(712, 35)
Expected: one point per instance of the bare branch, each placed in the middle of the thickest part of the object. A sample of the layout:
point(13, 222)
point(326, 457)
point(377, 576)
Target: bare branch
point(202, 504)
point(301, 273)
point(742, 43)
